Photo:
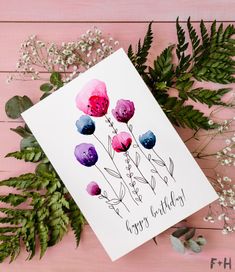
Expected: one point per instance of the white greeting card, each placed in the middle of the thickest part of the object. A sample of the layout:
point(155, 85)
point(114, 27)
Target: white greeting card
point(119, 156)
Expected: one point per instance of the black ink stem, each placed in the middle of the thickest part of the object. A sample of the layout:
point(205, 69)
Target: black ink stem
point(145, 155)
point(105, 197)
point(164, 163)
point(133, 186)
point(115, 167)
point(108, 120)
point(128, 156)
point(111, 186)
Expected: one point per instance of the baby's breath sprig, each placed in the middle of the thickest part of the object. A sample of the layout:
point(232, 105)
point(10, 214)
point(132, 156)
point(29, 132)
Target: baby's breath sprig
point(224, 209)
point(68, 58)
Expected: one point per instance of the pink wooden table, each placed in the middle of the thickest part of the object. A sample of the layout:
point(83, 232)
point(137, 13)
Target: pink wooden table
point(126, 21)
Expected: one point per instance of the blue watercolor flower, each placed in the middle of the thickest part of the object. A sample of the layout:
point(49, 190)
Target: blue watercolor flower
point(86, 154)
point(85, 125)
point(148, 140)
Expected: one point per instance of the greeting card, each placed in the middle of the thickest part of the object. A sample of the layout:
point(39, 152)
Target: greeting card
point(118, 155)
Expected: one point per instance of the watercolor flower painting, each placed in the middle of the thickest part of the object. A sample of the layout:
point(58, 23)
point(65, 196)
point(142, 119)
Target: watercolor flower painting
point(93, 101)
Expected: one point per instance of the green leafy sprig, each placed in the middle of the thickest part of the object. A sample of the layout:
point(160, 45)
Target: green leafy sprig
point(210, 59)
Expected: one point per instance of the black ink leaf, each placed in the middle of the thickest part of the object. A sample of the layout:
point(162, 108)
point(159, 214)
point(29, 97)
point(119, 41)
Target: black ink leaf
point(153, 171)
point(105, 193)
point(159, 162)
point(110, 150)
point(153, 182)
point(100, 197)
point(140, 197)
point(137, 199)
point(137, 159)
point(112, 173)
point(130, 127)
point(134, 192)
point(122, 192)
point(171, 166)
point(135, 145)
point(140, 179)
point(110, 206)
point(149, 157)
point(113, 201)
point(166, 180)
point(137, 190)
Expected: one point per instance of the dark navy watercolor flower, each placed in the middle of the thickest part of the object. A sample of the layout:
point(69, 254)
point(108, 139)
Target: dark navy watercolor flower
point(148, 140)
point(93, 189)
point(85, 125)
point(124, 110)
point(86, 154)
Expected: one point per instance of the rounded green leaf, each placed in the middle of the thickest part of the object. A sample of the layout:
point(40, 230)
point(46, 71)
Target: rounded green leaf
point(28, 142)
point(177, 244)
point(46, 87)
point(194, 246)
point(201, 240)
point(56, 80)
point(16, 105)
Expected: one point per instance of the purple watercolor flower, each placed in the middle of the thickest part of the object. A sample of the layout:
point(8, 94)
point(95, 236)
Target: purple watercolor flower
point(124, 110)
point(86, 154)
point(93, 189)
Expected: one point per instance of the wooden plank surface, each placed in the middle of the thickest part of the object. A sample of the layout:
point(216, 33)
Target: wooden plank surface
point(122, 10)
point(126, 21)
point(90, 256)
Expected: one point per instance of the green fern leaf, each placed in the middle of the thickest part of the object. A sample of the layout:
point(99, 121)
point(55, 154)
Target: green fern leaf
point(77, 220)
point(13, 199)
point(29, 154)
point(140, 57)
point(209, 97)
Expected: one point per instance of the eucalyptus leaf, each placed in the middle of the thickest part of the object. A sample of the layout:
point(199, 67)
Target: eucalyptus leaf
point(201, 241)
point(16, 105)
point(195, 247)
point(21, 131)
point(46, 87)
point(28, 142)
point(56, 80)
point(190, 233)
point(177, 244)
point(180, 232)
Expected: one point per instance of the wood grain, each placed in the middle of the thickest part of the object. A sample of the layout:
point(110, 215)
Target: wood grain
point(91, 257)
point(122, 10)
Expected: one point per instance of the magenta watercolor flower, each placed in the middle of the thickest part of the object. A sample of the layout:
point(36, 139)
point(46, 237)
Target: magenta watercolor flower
point(124, 110)
point(93, 99)
point(93, 189)
point(86, 154)
point(121, 142)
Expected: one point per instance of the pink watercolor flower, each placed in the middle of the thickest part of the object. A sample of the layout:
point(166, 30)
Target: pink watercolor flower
point(124, 110)
point(121, 142)
point(93, 189)
point(93, 99)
